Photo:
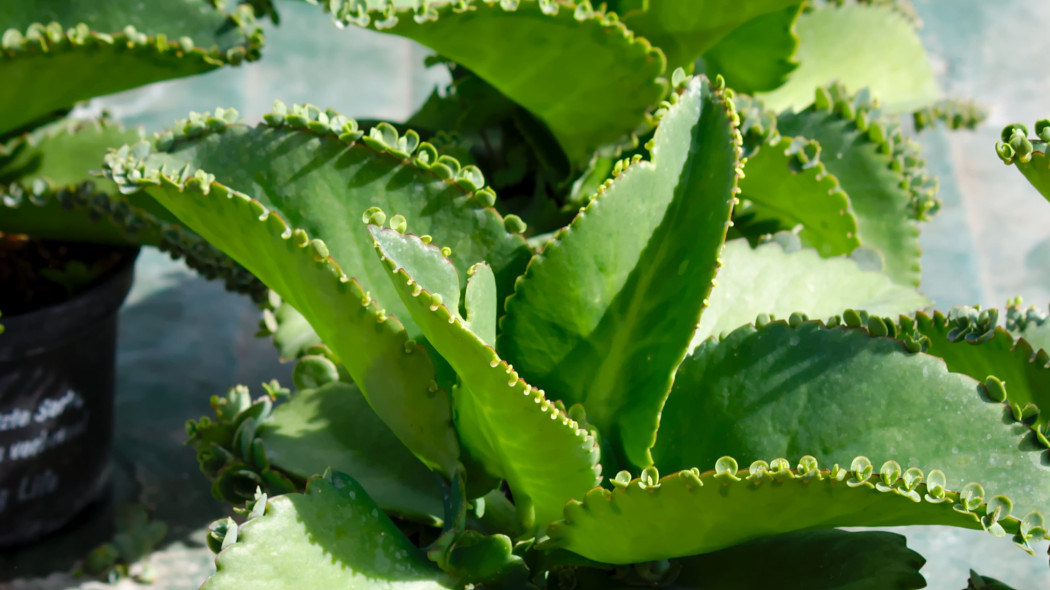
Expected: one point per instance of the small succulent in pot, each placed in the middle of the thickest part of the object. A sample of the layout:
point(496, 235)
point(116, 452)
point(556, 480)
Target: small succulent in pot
point(68, 238)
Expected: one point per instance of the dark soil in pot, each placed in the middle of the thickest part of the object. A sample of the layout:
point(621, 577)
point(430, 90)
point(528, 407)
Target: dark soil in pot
point(57, 363)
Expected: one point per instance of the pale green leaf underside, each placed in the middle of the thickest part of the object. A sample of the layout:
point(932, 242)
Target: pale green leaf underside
point(396, 376)
point(880, 204)
point(691, 513)
point(837, 393)
point(806, 560)
point(759, 55)
point(775, 191)
point(686, 29)
point(333, 536)
point(605, 311)
point(519, 436)
point(44, 73)
point(799, 281)
point(861, 45)
point(332, 427)
point(553, 65)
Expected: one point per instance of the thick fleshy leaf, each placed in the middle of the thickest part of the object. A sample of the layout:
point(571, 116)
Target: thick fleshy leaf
point(52, 51)
point(1030, 155)
point(861, 45)
point(292, 334)
point(686, 29)
point(47, 191)
point(759, 55)
point(505, 423)
point(606, 310)
point(807, 560)
point(692, 512)
point(835, 393)
point(333, 536)
point(786, 187)
point(880, 170)
point(332, 427)
point(1032, 324)
point(549, 57)
point(314, 170)
point(978, 350)
point(796, 282)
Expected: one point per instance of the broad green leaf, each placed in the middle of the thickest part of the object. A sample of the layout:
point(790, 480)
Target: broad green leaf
point(785, 187)
point(837, 393)
point(332, 427)
point(759, 55)
point(686, 29)
point(550, 58)
point(979, 582)
point(480, 303)
point(508, 425)
point(1031, 156)
point(692, 512)
point(806, 560)
point(877, 168)
point(53, 50)
point(980, 351)
point(311, 169)
point(799, 281)
point(291, 332)
point(861, 45)
point(606, 310)
point(333, 536)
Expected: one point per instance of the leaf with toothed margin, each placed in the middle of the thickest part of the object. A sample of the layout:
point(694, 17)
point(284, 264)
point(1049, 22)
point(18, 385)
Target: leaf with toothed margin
point(691, 513)
point(759, 55)
point(1031, 324)
point(606, 310)
point(551, 64)
point(817, 560)
point(784, 187)
point(979, 582)
point(995, 352)
point(480, 304)
point(51, 51)
point(328, 278)
point(686, 29)
point(1030, 155)
point(835, 393)
point(799, 281)
point(881, 205)
point(862, 45)
point(332, 427)
point(506, 424)
point(333, 536)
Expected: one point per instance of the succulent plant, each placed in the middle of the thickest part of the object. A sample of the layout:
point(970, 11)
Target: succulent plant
point(628, 389)
point(54, 55)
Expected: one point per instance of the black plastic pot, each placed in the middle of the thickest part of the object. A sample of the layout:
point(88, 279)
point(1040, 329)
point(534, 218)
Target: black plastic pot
point(57, 368)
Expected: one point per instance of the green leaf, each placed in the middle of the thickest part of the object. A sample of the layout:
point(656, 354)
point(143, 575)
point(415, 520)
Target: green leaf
point(1030, 324)
point(53, 51)
point(796, 282)
point(861, 45)
point(982, 350)
point(333, 536)
point(310, 168)
point(291, 332)
point(332, 427)
point(979, 582)
point(517, 434)
point(786, 187)
point(1030, 155)
point(687, 29)
point(549, 58)
point(605, 311)
point(759, 55)
point(879, 170)
point(807, 560)
point(692, 512)
point(835, 393)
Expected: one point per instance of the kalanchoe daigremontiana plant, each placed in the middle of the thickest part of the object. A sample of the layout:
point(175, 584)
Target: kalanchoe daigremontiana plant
point(55, 54)
point(614, 402)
